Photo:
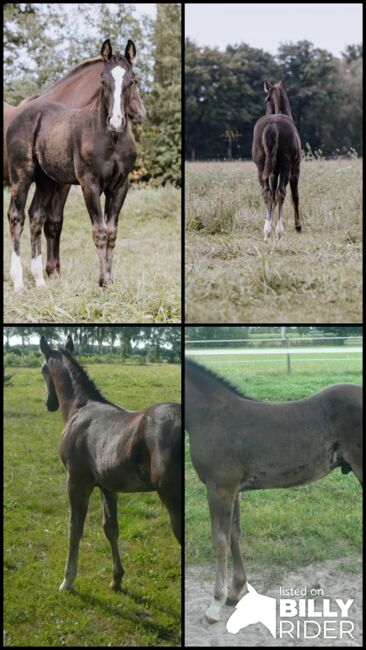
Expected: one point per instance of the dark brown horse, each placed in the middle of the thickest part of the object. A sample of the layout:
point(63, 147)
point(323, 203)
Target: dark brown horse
point(92, 146)
point(239, 444)
point(77, 89)
point(105, 446)
point(277, 153)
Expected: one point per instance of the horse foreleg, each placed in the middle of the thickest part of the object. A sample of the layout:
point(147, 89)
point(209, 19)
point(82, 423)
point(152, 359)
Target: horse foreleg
point(79, 499)
point(111, 530)
point(99, 230)
point(239, 576)
point(221, 503)
point(113, 205)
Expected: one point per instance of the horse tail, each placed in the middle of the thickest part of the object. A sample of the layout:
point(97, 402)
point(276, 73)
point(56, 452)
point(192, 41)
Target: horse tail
point(270, 146)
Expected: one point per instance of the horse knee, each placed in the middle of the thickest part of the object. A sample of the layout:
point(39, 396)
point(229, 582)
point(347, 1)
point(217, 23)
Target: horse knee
point(52, 229)
point(100, 235)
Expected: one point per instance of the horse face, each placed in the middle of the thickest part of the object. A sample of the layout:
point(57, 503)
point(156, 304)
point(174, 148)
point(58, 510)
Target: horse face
point(51, 399)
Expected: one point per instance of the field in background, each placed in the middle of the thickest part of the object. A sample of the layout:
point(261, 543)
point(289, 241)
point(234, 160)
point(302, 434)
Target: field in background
point(232, 275)
point(146, 266)
point(148, 611)
point(293, 526)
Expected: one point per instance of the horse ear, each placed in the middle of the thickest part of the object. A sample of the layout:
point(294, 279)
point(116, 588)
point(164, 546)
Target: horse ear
point(69, 345)
point(267, 86)
point(130, 52)
point(44, 347)
point(106, 50)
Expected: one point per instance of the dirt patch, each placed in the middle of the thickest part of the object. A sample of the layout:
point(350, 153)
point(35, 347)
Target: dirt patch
point(337, 578)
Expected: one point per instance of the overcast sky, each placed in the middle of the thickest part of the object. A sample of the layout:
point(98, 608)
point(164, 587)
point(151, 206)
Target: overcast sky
point(265, 26)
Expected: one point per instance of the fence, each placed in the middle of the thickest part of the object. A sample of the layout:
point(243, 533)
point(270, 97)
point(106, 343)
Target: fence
point(344, 348)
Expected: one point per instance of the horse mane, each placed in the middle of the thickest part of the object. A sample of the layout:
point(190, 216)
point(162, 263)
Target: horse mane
point(84, 387)
point(196, 367)
point(79, 67)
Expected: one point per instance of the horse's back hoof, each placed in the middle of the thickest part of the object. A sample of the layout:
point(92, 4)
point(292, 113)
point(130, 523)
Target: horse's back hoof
point(298, 228)
point(231, 601)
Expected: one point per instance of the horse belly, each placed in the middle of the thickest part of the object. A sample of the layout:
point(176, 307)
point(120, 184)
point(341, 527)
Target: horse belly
point(55, 154)
point(131, 477)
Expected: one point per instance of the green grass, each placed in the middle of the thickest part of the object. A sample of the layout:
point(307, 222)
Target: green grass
point(289, 527)
point(146, 266)
point(148, 612)
point(232, 275)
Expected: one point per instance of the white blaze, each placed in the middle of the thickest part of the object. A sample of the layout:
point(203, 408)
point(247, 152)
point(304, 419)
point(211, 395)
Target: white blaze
point(16, 271)
point(37, 270)
point(116, 118)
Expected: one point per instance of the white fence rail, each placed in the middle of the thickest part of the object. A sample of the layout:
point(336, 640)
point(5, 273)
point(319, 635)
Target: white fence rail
point(312, 352)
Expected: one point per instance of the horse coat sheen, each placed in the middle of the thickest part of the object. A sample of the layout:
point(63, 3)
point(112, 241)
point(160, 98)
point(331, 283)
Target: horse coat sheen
point(239, 444)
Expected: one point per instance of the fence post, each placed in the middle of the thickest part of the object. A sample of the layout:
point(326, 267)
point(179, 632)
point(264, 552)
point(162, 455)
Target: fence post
point(285, 338)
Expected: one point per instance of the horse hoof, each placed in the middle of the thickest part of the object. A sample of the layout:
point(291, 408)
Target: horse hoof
point(210, 620)
point(298, 228)
point(115, 587)
point(64, 586)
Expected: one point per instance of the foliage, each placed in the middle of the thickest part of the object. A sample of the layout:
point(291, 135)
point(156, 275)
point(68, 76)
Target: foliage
point(224, 97)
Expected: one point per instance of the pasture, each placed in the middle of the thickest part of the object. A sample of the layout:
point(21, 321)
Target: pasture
point(148, 611)
point(146, 266)
point(232, 275)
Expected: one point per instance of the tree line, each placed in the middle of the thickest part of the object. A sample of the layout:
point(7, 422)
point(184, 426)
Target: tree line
point(224, 97)
point(148, 342)
point(42, 42)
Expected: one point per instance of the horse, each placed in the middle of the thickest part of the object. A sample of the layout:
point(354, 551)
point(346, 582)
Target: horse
point(106, 446)
point(238, 443)
point(276, 152)
point(77, 89)
point(92, 147)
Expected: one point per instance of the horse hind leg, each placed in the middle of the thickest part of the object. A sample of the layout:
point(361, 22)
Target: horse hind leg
point(170, 495)
point(111, 531)
point(37, 217)
point(221, 504)
point(270, 204)
point(280, 196)
point(294, 180)
point(16, 215)
point(239, 576)
point(53, 226)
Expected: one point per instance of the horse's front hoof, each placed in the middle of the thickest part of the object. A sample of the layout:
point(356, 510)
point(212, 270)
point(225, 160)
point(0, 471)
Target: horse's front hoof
point(115, 587)
point(65, 586)
point(298, 228)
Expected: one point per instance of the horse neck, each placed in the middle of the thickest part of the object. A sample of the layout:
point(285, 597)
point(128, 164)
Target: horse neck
point(77, 90)
point(65, 392)
point(285, 105)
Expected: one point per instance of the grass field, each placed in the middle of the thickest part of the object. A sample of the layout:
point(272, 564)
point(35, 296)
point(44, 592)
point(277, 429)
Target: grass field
point(148, 612)
point(232, 275)
point(283, 527)
point(146, 266)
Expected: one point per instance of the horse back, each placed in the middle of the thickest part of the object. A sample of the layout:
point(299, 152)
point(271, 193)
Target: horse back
point(289, 144)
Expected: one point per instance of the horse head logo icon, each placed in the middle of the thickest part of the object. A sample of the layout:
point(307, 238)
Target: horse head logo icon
point(253, 608)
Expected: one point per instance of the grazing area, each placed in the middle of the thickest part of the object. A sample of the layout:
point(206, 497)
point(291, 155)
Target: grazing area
point(232, 275)
point(146, 266)
point(297, 537)
point(148, 611)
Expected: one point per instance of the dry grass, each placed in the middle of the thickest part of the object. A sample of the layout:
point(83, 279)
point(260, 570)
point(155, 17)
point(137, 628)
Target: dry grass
point(233, 276)
point(146, 266)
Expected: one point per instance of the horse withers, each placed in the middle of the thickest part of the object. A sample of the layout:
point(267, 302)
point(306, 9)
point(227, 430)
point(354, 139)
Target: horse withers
point(106, 446)
point(238, 443)
point(276, 152)
point(92, 147)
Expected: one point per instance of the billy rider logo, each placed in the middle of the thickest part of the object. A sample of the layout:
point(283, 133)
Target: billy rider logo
point(304, 618)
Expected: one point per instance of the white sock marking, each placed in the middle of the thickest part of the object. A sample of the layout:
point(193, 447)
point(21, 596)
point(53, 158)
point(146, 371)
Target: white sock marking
point(16, 271)
point(37, 270)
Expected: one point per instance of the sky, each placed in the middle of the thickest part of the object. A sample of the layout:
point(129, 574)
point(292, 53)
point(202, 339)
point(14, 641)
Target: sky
point(265, 26)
